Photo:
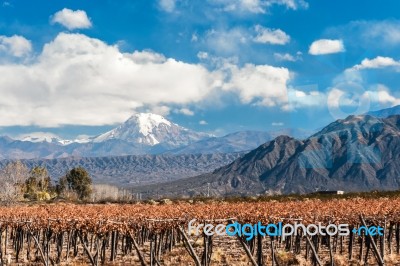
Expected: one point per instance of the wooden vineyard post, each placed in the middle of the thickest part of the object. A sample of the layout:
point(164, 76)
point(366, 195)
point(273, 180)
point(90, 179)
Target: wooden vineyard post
point(351, 240)
point(39, 248)
point(139, 253)
point(389, 238)
point(86, 249)
point(190, 247)
point(260, 259)
point(318, 261)
point(398, 238)
point(382, 240)
point(207, 252)
point(273, 256)
point(246, 248)
point(330, 250)
point(6, 242)
point(378, 256)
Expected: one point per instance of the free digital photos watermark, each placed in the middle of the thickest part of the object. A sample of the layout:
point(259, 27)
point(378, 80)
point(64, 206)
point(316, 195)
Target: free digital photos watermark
point(249, 231)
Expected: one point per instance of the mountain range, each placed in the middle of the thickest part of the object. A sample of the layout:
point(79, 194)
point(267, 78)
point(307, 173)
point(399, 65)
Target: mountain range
point(157, 157)
point(359, 153)
point(134, 170)
point(143, 133)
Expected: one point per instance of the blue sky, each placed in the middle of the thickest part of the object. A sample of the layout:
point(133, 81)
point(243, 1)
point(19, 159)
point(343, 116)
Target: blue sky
point(81, 67)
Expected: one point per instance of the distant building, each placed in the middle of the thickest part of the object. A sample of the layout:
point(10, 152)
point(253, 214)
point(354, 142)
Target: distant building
point(331, 192)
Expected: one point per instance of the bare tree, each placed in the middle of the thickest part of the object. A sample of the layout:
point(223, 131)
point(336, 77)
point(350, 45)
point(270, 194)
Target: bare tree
point(12, 180)
point(109, 192)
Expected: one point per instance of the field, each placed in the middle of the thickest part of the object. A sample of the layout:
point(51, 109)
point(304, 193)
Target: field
point(156, 233)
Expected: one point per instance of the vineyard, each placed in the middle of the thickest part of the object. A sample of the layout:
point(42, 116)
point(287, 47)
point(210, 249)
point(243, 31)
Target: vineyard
point(145, 234)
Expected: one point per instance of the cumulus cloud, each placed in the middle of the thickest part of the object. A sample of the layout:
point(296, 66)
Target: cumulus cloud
point(15, 45)
point(71, 19)
point(261, 83)
point(377, 94)
point(326, 46)
point(78, 80)
point(352, 88)
point(203, 122)
point(382, 95)
point(83, 81)
point(271, 36)
point(377, 62)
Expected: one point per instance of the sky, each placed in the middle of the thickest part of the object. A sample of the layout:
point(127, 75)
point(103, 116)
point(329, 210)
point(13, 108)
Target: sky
point(81, 67)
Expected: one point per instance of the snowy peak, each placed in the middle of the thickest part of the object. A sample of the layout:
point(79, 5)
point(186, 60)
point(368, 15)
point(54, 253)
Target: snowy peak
point(151, 129)
point(148, 122)
point(38, 137)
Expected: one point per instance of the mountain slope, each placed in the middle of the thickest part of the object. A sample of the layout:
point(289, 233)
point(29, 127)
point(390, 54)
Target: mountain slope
point(236, 142)
point(395, 110)
point(359, 153)
point(135, 169)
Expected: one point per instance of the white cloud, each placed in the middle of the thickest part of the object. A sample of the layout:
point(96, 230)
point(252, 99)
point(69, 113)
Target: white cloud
point(159, 110)
point(257, 6)
point(83, 81)
point(377, 62)
point(15, 45)
point(271, 36)
point(226, 41)
point(376, 94)
point(338, 97)
point(194, 38)
point(167, 5)
point(70, 19)
point(186, 111)
point(385, 32)
point(301, 99)
point(277, 124)
point(203, 122)
point(374, 36)
point(291, 4)
point(382, 95)
point(351, 90)
point(261, 83)
point(287, 57)
point(202, 55)
point(284, 57)
point(146, 57)
point(78, 80)
point(326, 46)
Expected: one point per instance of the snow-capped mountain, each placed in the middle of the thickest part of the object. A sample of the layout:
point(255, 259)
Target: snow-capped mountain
point(143, 133)
point(149, 130)
point(37, 137)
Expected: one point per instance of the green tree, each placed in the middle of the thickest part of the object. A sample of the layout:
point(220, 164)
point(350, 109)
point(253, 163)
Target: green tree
point(77, 180)
point(38, 185)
